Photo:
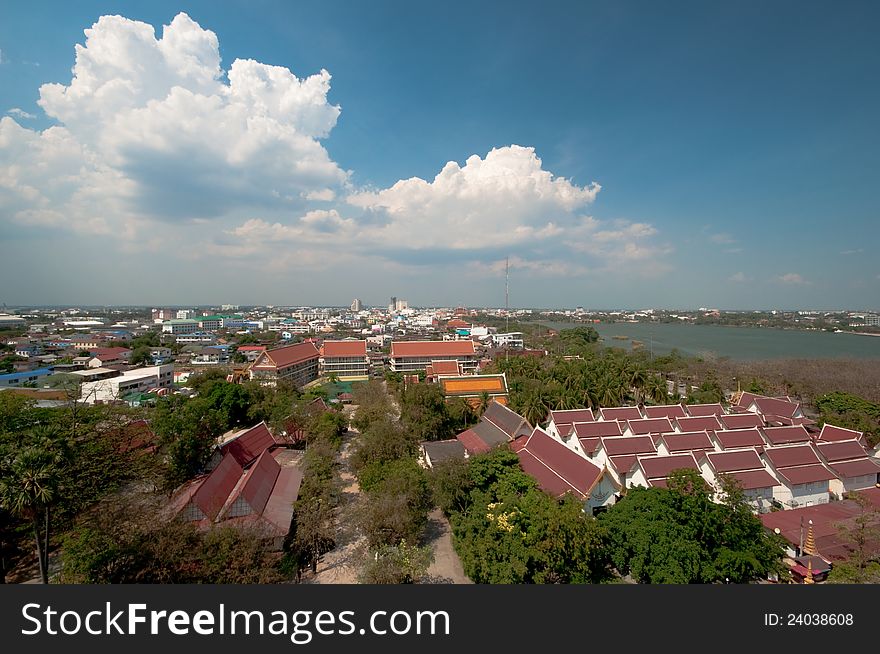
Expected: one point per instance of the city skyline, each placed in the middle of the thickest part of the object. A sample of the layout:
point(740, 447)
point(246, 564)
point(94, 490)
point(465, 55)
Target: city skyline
point(627, 156)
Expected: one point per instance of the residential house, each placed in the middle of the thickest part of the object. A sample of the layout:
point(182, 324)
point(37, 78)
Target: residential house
point(648, 426)
point(741, 421)
point(699, 423)
point(620, 453)
point(704, 410)
point(561, 423)
point(670, 411)
point(746, 468)
point(830, 433)
point(735, 439)
point(654, 471)
point(804, 480)
point(622, 413)
point(434, 452)
point(695, 442)
point(559, 471)
point(788, 435)
point(849, 460)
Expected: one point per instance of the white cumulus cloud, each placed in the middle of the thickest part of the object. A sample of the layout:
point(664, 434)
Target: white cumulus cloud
point(20, 113)
point(793, 279)
point(154, 125)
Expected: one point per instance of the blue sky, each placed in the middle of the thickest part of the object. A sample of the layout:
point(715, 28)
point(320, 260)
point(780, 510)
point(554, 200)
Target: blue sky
point(683, 155)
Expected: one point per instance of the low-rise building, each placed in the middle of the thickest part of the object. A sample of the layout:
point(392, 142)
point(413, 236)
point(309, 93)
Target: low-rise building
point(180, 326)
point(24, 378)
point(295, 364)
point(111, 389)
point(347, 360)
point(412, 356)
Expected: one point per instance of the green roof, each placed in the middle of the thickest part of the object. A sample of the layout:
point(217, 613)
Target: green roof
point(212, 318)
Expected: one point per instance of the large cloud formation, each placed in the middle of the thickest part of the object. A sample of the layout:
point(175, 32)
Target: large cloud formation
point(152, 135)
point(152, 128)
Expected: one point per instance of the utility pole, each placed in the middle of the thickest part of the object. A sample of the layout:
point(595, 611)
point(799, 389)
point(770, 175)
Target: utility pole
point(507, 302)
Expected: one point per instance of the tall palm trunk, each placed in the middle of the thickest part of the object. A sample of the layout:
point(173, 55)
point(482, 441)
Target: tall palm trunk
point(44, 575)
point(46, 543)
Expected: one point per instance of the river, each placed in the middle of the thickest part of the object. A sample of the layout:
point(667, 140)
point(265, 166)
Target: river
point(739, 343)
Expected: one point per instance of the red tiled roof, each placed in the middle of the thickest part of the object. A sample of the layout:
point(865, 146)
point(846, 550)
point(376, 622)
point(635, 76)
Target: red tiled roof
point(250, 444)
point(687, 442)
point(572, 415)
point(805, 474)
point(623, 463)
point(628, 445)
point(841, 450)
point(747, 398)
point(432, 348)
point(258, 482)
point(598, 428)
point(284, 357)
point(741, 421)
point(790, 434)
point(736, 438)
point(665, 411)
point(856, 468)
point(589, 445)
point(250, 348)
point(448, 367)
point(735, 460)
point(752, 479)
point(214, 489)
point(660, 467)
point(651, 426)
point(832, 433)
point(795, 455)
point(773, 406)
point(472, 443)
point(344, 349)
point(564, 429)
point(555, 467)
point(110, 352)
point(705, 410)
point(699, 423)
point(620, 413)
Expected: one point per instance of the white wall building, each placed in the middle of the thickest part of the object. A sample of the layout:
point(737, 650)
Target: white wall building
point(140, 380)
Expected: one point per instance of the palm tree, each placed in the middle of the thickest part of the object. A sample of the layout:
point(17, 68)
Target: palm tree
point(483, 403)
point(27, 487)
point(656, 389)
point(534, 408)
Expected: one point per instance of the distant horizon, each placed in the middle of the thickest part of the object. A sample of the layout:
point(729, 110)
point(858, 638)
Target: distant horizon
point(346, 306)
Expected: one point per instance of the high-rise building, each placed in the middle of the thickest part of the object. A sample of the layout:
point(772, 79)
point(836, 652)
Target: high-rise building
point(400, 305)
point(356, 305)
point(393, 305)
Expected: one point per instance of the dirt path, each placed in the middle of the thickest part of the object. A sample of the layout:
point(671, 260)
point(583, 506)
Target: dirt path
point(342, 564)
point(446, 568)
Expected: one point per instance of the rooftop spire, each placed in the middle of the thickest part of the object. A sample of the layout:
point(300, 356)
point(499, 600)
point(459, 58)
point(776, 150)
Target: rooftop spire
point(810, 544)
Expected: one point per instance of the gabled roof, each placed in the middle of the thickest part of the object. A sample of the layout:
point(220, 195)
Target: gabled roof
point(805, 474)
point(741, 421)
point(445, 367)
point(687, 441)
point(745, 398)
point(773, 406)
point(332, 349)
point(705, 410)
point(620, 413)
point(784, 435)
point(628, 445)
point(735, 460)
point(569, 416)
point(556, 468)
point(210, 492)
point(439, 451)
point(589, 445)
point(249, 444)
point(699, 423)
point(284, 357)
point(257, 483)
point(832, 433)
point(665, 411)
point(754, 479)
point(841, 450)
point(794, 455)
point(651, 426)
point(856, 468)
point(472, 443)
point(660, 467)
point(597, 428)
point(507, 420)
point(432, 348)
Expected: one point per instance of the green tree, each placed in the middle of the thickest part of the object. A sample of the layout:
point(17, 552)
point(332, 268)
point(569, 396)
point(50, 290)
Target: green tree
point(141, 356)
point(397, 564)
point(862, 536)
point(424, 413)
point(28, 486)
point(396, 506)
